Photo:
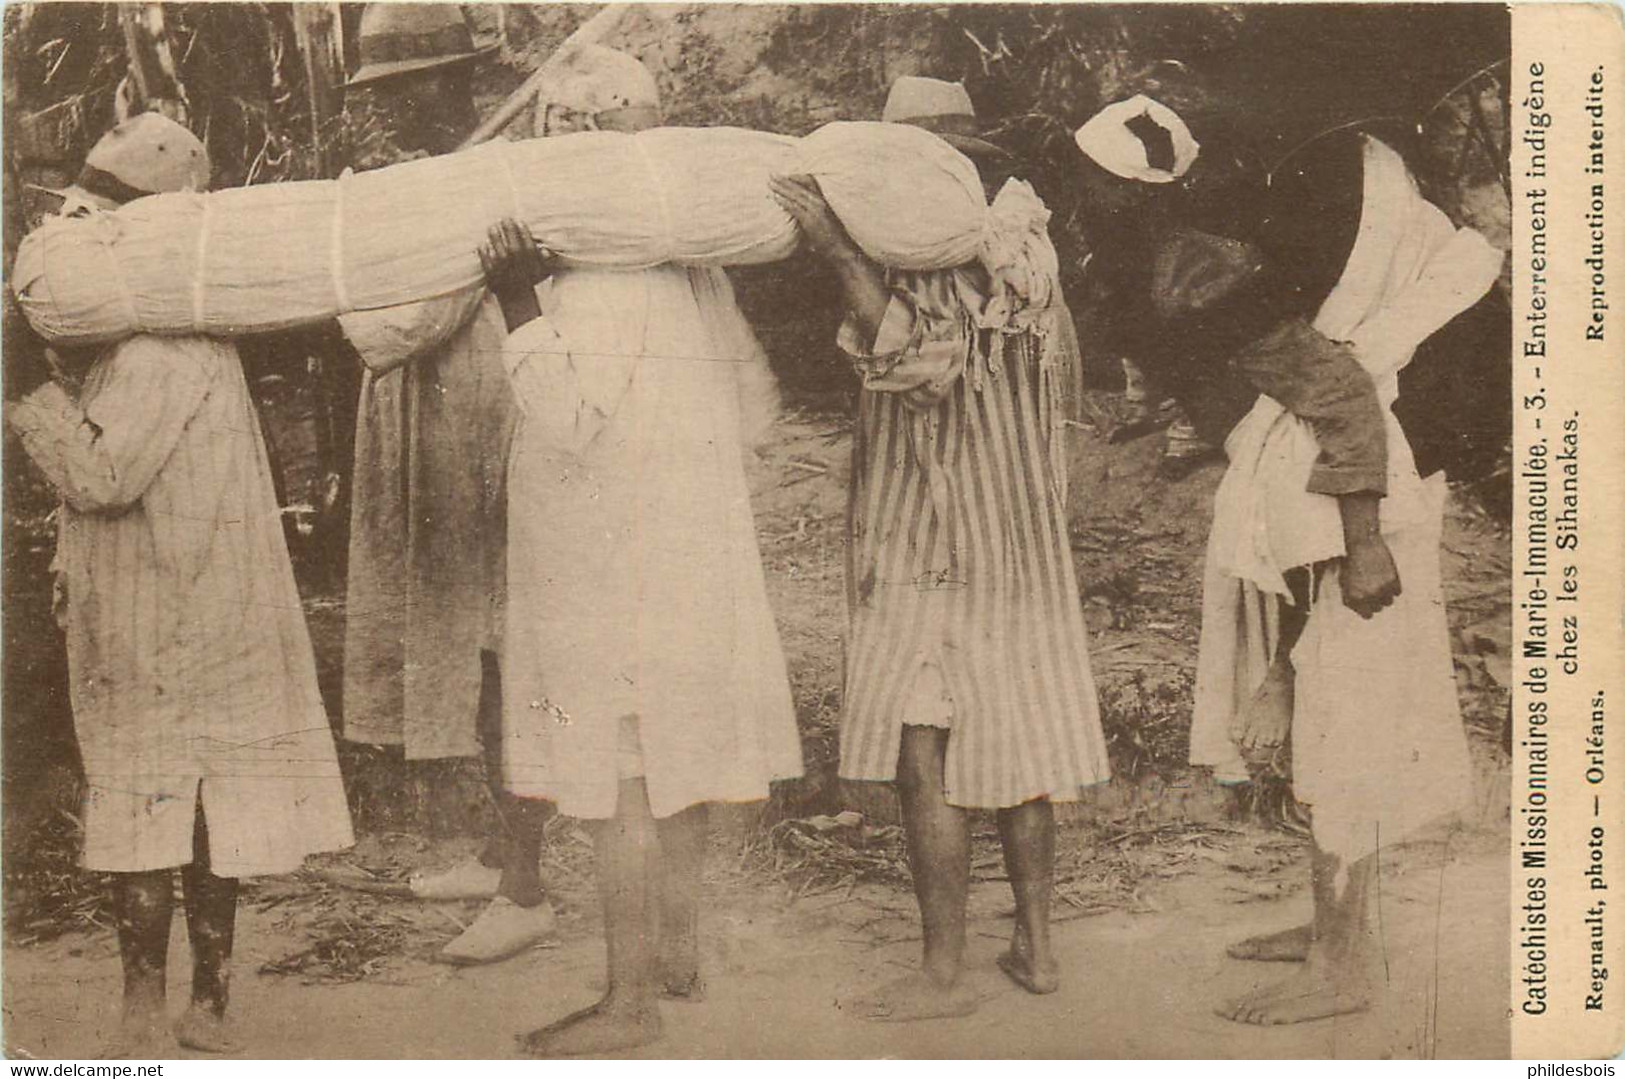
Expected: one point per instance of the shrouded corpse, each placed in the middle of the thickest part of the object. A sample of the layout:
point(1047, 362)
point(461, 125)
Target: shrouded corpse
point(276, 255)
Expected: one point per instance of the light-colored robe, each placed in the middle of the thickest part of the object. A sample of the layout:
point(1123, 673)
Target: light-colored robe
point(190, 666)
point(427, 523)
point(1378, 748)
point(635, 586)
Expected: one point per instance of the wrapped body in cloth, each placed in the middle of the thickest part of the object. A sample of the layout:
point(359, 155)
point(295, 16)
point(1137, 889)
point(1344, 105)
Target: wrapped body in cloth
point(277, 255)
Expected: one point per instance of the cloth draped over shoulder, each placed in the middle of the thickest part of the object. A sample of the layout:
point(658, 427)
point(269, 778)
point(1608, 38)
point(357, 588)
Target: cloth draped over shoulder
point(1378, 748)
point(190, 667)
point(636, 597)
point(428, 522)
point(962, 597)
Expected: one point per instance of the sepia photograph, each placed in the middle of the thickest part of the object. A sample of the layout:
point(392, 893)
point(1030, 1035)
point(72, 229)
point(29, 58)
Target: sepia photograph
point(761, 531)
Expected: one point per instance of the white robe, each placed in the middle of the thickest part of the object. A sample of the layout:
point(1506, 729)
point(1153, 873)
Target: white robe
point(635, 587)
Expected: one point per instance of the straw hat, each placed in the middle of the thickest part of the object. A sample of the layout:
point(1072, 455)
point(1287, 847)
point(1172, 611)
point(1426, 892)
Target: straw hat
point(942, 108)
point(145, 155)
point(1139, 139)
point(399, 38)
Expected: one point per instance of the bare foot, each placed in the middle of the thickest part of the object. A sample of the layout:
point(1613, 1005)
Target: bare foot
point(680, 966)
point(1307, 995)
point(686, 987)
point(914, 997)
point(1287, 946)
point(206, 1032)
point(1260, 727)
point(603, 1028)
point(1036, 974)
point(143, 1034)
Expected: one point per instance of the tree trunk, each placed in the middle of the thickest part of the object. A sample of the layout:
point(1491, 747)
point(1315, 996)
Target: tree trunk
point(152, 83)
point(319, 31)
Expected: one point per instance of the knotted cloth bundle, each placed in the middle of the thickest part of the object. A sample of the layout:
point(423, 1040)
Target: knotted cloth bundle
point(267, 257)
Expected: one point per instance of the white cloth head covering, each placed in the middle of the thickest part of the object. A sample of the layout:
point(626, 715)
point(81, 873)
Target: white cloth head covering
point(1109, 142)
point(942, 108)
point(147, 154)
point(915, 97)
point(595, 79)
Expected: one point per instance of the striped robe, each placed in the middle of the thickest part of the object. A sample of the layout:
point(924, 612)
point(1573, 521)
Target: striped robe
point(963, 603)
point(191, 672)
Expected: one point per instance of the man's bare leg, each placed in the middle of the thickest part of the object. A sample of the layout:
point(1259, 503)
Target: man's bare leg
point(1269, 704)
point(1293, 945)
point(629, 1014)
point(1341, 971)
point(1027, 833)
point(524, 821)
point(682, 861)
point(211, 923)
point(1267, 718)
point(143, 907)
point(938, 836)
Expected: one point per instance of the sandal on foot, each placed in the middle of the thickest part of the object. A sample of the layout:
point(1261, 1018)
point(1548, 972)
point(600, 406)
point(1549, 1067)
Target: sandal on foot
point(503, 929)
point(465, 880)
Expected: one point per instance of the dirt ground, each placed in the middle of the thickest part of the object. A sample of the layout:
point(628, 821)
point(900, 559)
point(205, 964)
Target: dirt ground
point(1157, 871)
point(779, 968)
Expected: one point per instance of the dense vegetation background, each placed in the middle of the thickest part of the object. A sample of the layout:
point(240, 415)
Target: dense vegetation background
point(1254, 81)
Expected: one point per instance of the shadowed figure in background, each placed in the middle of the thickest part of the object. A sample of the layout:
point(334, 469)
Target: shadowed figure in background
point(967, 669)
point(1194, 302)
point(1291, 636)
point(429, 517)
point(642, 672)
point(204, 740)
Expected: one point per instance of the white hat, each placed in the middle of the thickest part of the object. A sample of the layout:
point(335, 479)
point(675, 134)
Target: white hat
point(941, 107)
point(595, 79)
point(145, 155)
point(1123, 138)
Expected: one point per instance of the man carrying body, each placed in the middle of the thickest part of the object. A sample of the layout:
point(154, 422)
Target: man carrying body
point(1378, 752)
point(1303, 590)
point(428, 522)
point(642, 673)
point(203, 736)
point(967, 673)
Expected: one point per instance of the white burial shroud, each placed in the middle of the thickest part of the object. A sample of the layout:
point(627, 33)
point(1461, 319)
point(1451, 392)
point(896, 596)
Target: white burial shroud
point(277, 255)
